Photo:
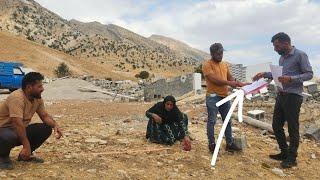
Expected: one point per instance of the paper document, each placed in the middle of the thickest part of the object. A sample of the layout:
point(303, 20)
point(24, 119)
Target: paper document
point(276, 73)
point(255, 86)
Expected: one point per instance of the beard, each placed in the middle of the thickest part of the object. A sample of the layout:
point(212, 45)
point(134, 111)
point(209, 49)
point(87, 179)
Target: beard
point(217, 59)
point(281, 52)
point(36, 96)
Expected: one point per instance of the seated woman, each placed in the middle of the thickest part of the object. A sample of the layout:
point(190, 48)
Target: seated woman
point(167, 124)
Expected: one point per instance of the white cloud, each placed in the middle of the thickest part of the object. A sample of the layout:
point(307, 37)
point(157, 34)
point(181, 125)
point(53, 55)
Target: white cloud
point(199, 23)
point(315, 62)
point(104, 11)
point(252, 55)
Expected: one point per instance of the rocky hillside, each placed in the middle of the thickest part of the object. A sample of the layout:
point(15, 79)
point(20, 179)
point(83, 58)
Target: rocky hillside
point(180, 47)
point(45, 60)
point(124, 50)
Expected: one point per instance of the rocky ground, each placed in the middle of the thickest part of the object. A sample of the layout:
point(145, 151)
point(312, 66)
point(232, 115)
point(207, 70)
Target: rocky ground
point(105, 140)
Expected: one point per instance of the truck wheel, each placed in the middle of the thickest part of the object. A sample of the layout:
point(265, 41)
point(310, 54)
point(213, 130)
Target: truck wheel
point(11, 90)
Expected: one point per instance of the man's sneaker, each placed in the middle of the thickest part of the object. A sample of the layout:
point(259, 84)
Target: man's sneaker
point(288, 163)
point(33, 159)
point(232, 147)
point(6, 163)
point(279, 157)
point(212, 146)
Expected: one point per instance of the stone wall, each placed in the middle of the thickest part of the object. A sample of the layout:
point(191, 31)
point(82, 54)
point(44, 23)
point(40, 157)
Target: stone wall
point(177, 87)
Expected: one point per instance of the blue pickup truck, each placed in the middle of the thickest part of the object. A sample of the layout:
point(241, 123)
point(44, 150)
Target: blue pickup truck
point(11, 75)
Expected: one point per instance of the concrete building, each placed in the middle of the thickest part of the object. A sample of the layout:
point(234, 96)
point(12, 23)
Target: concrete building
point(238, 71)
point(245, 73)
point(176, 87)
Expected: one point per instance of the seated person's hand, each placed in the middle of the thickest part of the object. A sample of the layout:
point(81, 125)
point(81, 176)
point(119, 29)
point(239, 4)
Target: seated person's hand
point(186, 144)
point(157, 118)
point(58, 132)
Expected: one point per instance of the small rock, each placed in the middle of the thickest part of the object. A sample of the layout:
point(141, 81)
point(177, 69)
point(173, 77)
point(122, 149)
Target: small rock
point(3, 175)
point(315, 145)
point(264, 132)
point(124, 174)
point(278, 172)
point(13, 175)
point(92, 171)
point(235, 129)
point(241, 142)
point(92, 140)
point(68, 156)
point(95, 140)
point(173, 175)
point(313, 156)
point(118, 133)
point(67, 134)
point(57, 116)
point(127, 120)
point(265, 166)
point(313, 132)
point(102, 142)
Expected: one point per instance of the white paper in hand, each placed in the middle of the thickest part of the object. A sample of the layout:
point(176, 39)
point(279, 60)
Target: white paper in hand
point(276, 73)
point(255, 86)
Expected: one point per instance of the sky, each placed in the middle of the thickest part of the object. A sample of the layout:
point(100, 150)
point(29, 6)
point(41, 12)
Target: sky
point(244, 27)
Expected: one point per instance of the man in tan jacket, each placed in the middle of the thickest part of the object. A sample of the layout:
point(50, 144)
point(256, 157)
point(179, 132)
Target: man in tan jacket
point(16, 113)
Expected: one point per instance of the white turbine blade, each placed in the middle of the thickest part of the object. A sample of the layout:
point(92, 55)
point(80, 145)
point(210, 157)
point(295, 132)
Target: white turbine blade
point(223, 129)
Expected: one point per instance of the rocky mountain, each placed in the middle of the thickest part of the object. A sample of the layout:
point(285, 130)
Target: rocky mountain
point(180, 47)
point(43, 59)
point(112, 45)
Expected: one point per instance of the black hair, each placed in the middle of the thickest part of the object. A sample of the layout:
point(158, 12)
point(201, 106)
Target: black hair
point(216, 47)
point(31, 78)
point(282, 37)
point(169, 98)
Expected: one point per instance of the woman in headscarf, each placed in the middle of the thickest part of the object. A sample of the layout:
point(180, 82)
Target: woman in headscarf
point(167, 124)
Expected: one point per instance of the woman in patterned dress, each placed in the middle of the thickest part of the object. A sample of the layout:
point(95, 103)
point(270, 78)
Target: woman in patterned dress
point(167, 123)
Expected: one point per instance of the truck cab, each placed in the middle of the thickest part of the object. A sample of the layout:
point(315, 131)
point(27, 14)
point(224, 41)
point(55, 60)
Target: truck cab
point(11, 75)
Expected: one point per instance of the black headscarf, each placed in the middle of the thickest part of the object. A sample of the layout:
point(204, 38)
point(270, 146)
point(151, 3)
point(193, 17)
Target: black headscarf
point(168, 116)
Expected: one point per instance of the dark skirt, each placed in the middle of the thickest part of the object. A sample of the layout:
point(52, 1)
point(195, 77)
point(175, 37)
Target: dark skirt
point(167, 133)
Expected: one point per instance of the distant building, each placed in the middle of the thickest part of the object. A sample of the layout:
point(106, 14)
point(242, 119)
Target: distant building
point(238, 71)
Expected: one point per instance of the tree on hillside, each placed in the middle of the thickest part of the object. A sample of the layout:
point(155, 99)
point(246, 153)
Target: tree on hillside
point(143, 75)
point(199, 70)
point(62, 70)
